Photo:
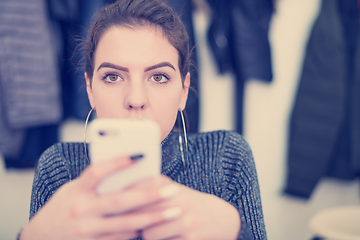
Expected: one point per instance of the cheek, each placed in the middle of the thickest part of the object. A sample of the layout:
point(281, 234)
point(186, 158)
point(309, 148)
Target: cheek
point(105, 102)
point(165, 112)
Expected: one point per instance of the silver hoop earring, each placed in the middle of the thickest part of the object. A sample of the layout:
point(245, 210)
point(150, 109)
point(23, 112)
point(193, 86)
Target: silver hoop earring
point(86, 123)
point(184, 154)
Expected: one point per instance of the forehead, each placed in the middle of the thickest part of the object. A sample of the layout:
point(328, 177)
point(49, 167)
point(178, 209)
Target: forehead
point(135, 47)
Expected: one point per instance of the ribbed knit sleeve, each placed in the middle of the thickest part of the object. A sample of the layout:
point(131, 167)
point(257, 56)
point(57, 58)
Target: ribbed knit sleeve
point(221, 163)
point(49, 175)
point(241, 187)
point(57, 165)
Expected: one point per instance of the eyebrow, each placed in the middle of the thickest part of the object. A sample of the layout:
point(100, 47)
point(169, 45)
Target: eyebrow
point(110, 65)
point(159, 65)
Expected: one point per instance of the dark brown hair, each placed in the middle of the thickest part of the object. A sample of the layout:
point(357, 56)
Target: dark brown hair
point(133, 13)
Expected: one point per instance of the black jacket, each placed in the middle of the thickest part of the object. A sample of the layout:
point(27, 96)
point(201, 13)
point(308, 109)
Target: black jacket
point(324, 134)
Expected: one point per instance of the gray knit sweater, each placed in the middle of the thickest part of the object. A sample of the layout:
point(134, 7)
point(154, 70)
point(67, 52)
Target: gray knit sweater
point(219, 163)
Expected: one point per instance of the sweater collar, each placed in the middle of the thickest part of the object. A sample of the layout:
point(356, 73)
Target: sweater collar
point(171, 155)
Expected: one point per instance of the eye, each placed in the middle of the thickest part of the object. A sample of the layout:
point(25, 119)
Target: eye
point(112, 77)
point(160, 78)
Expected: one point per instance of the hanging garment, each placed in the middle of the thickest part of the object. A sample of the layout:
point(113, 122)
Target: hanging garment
point(36, 141)
point(238, 36)
point(70, 21)
point(324, 132)
point(29, 87)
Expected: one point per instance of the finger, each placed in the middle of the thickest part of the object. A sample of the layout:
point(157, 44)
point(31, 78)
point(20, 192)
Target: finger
point(119, 236)
point(97, 172)
point(127, 222)
point(172, 229)
point(168, 230)
point(145, 183)
point(175, 238)
point(156, 180)
point(128, 200)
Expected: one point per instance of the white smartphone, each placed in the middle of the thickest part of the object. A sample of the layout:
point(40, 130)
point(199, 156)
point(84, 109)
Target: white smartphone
point(111, 138)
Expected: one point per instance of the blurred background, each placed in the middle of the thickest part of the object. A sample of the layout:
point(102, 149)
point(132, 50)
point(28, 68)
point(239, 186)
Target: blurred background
point(284, 73)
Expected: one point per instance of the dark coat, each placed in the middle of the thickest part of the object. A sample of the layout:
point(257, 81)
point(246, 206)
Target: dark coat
point(324, 134)
point(238, 37)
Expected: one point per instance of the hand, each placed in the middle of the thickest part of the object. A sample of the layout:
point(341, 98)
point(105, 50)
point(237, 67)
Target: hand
point(203, 216)
point(76, 211)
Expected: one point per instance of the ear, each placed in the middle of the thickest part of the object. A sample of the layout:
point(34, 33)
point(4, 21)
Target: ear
point(185, 92)
point(89, 92)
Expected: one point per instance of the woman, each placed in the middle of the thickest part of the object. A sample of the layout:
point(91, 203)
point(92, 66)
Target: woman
point(137, 60)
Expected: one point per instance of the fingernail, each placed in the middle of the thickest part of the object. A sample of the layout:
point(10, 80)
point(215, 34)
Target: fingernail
point(168, 191)
point(136, 157)
point(172, 213)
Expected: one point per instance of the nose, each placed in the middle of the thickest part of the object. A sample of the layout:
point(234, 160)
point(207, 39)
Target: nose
point(136, 97)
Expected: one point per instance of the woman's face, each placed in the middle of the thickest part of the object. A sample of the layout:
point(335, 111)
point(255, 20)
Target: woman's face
point(136, 75)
